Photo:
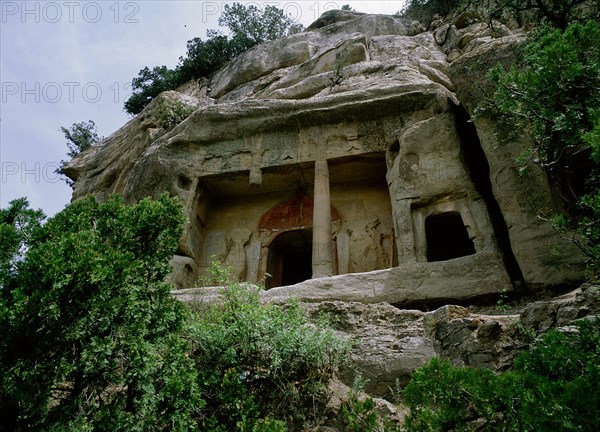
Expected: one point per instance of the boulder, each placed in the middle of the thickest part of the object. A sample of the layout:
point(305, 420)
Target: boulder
point(466, 18)
point(389, 343)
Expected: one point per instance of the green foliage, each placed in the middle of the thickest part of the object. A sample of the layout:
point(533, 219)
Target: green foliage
point(542, 393)
point(205, 57)
point(346, 7)
point(150, 83)
point(252, 26)
point(589, 227)
point(94, 341)
point(359, 414)
point(503, 302)
point(592, 138)
point(218, 275)
point(396, 391)
point(556, 13)
point(91, 335)
point(440, 395)
point(170, 113)
point(424, 10)
point(248, 26)
point(80, 137)
point(341, 61)
point(553, 95)
point(17, 225)
point(260, 362)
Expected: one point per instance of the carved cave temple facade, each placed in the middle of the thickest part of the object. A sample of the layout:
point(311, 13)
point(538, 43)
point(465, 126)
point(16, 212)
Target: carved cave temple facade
point(286, 179)
point(315, 197)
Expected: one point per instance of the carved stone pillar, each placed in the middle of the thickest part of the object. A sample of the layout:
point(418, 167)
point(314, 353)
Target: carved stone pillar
point(252, 261)
point(322, 253)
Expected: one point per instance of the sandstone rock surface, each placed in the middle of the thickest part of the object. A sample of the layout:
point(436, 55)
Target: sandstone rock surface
point(391, 343)
point(427, 208)
point(521, 198)
point(362, 121)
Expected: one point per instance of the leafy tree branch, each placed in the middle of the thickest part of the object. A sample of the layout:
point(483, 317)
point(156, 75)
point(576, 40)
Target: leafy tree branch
point(80, 137)
point(247, 26)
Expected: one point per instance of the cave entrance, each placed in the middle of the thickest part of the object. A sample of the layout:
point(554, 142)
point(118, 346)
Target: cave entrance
point(447, 237)
point(290, 258)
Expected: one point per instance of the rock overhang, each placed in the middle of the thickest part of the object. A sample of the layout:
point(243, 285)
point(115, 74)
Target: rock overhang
point(388, 131)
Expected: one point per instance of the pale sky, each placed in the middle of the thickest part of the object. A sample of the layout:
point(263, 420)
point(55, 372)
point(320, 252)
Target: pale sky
point(63, 62)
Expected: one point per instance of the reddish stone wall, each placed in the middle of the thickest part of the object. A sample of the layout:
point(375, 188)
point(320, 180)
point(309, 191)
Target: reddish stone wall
point(297, 212)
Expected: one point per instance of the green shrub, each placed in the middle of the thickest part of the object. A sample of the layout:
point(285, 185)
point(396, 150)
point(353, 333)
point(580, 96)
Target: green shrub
point(80, 137)
point(248, 26)
point(91, 334)
point(553, 386)
point(260, 362)
point(94, 341)
point(554, 94)
point(359, 414)
point(359, 411)
point(424, 10)
point(589, 228)
point(171, 112)
point(551, 97)
point(150, 83)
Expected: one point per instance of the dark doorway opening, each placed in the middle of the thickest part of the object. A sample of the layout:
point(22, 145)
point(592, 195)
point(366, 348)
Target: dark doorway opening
point(290, 258)
point(447, 237)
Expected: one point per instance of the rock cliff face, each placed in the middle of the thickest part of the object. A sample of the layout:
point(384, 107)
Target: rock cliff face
point(339, 167)
point(345, 152)
point(391, 342)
